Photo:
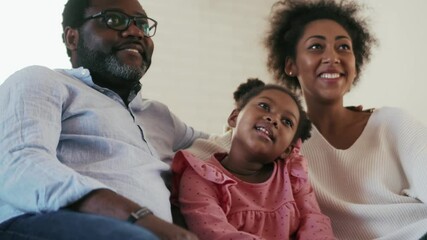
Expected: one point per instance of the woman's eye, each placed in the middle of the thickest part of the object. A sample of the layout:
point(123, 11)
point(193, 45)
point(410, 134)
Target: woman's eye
point(344, 47)
point(315, 46)
point(264, 106)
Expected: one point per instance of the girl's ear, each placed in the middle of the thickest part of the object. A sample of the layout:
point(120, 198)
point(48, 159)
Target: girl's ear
point(287, 151)
point(290, 67)
point(232, 119)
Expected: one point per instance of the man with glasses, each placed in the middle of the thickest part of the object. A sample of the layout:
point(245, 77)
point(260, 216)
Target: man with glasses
point(80, 149)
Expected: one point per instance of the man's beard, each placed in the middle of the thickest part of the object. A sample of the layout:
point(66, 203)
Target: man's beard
point(107, 64)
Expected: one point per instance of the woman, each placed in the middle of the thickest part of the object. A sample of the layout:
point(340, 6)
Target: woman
point(368, 168)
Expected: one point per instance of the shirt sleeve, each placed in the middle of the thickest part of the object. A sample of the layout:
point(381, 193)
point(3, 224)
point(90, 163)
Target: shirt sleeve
point(32, 177)
point(200, 203)
point(165, 131)
point(313, 224)
point(184, 134)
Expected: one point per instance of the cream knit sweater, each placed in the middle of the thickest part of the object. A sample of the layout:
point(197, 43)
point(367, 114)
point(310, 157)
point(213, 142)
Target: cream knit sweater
point(376, 189)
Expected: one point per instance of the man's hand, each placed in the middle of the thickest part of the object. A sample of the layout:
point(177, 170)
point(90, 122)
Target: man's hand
point(165, 230)
point(108, 203)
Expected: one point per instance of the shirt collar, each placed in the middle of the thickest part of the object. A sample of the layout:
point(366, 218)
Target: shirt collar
point(83, 74)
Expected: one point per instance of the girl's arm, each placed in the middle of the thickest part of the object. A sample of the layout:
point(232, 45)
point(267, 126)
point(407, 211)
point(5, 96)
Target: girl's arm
point(313, 224)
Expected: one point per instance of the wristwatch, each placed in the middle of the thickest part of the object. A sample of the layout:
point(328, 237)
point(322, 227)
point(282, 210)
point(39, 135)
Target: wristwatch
point(138, 214)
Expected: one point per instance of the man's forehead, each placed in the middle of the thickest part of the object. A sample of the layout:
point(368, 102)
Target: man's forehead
point(132, 7)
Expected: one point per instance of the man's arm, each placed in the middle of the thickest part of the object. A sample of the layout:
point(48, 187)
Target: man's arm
point(108, 203)
point(32, 177)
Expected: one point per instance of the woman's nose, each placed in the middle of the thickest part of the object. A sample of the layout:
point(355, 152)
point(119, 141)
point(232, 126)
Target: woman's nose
point(331, 60)
point(331, 56)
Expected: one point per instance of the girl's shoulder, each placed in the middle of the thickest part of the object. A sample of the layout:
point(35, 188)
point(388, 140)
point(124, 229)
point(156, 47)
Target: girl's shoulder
point(207, 169)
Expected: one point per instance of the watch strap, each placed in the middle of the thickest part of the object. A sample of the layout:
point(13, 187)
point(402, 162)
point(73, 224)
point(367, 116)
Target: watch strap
point(138, 214)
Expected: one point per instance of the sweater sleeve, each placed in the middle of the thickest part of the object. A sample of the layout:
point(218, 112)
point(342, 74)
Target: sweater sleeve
point(410, 142)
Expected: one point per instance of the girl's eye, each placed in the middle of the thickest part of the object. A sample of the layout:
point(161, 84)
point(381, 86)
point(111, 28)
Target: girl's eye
point(288, 122)
point(264, 106)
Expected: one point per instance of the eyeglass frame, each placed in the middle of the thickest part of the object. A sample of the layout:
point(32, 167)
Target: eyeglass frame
point(129, 19)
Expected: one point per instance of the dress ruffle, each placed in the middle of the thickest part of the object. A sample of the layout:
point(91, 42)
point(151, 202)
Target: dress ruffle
point(297, 168)
point(184, 159)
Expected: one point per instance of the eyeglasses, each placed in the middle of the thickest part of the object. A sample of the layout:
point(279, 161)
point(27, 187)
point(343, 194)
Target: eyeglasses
point(120, 21)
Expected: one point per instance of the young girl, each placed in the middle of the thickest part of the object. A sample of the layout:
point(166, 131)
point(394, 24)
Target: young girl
point(259, 190)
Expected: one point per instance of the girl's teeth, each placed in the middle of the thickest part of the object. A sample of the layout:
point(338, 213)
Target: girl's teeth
point(264, 130)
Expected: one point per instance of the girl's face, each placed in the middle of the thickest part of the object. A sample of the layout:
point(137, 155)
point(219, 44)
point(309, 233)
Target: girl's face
point(325, 64)
point(266, 126)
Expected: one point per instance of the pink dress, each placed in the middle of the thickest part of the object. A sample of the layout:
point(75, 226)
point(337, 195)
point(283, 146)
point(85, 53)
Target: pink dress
point(217, 205)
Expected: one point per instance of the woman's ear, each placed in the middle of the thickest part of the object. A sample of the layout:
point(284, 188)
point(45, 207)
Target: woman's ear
point(287, 151)
point(70, 38)
point(290, 67)
point(232, 119)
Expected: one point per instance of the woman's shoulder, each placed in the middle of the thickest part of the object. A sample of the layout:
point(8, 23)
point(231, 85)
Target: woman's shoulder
point(397, 120)
point(205, 148)
point(389, 110)
point(392, 115)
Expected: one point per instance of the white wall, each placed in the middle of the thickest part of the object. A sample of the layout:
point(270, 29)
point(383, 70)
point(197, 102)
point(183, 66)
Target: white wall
point(205, 48)
point(31, 35)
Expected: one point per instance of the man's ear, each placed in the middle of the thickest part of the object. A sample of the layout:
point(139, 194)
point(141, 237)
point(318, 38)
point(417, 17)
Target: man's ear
point(290, 67)
point(287, 151)
point(71, 38)
point(232, 119)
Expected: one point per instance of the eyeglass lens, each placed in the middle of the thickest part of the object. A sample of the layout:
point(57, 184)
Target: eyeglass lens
point(119, 21)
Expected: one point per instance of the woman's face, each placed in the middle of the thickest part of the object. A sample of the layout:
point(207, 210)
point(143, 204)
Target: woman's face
point(324, 64)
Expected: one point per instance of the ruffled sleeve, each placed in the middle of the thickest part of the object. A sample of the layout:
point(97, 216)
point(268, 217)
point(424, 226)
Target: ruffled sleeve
point(205, 169)
point(297, 168)
point(203, 192)
point(313, 224)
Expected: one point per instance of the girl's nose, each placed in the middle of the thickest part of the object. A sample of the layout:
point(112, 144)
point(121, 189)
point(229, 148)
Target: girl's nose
point(271, 120)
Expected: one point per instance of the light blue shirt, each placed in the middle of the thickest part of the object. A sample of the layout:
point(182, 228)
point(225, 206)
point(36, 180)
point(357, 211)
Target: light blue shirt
point(62, 136)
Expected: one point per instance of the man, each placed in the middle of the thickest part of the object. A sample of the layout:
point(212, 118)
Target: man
point(75, 160)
